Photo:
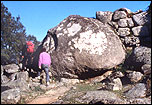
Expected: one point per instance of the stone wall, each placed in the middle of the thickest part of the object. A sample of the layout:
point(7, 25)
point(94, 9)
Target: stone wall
point(133, 28)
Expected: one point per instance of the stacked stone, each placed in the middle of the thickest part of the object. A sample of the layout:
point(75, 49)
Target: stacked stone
point(133, 28)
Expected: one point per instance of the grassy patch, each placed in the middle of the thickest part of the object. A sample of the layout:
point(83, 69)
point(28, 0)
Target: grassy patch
point(22, 101)
point(74, 95)
point(87, 87)
point(38, 89)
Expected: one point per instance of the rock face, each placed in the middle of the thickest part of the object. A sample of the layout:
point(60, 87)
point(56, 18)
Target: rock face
point(78, 45)
point(137, 92)
point(141, 55)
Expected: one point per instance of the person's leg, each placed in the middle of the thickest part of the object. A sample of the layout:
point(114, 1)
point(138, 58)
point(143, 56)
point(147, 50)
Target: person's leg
point(38, 73)
point(24, 63)
point(29, 63)
point(46, 69)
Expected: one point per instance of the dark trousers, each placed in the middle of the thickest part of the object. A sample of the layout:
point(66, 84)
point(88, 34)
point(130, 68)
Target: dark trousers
point(26, 62)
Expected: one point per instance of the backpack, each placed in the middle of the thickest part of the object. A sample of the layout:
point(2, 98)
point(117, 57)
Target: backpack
point(30, 47)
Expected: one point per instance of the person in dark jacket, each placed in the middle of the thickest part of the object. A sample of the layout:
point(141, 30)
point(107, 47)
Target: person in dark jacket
point(27, 58)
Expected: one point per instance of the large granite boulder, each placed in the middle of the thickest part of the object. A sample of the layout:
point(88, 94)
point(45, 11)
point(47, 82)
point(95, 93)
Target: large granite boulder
point(79, 45)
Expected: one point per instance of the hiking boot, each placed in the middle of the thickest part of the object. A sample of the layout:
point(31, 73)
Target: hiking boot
point(47, 83)
point(38, 78)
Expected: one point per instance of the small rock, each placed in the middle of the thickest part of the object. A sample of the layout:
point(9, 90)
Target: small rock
point(11, 68)
point(116, 84)
point(4, 79)
point(140, 101)
point(104, 16)
point(123, 32)
point(146, 68)
point(119, 15)
point(135, 76)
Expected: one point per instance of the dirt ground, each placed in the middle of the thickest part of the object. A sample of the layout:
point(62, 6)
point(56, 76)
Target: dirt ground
point(50, 96)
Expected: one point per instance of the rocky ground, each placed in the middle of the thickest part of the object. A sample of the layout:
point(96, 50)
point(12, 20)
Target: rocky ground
point(111, 87)
point(88, 92)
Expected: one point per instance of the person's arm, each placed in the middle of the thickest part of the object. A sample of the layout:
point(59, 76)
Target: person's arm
point(40, 61)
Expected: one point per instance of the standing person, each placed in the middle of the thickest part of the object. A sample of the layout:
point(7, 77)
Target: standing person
point(27, 53)
point(44, 63)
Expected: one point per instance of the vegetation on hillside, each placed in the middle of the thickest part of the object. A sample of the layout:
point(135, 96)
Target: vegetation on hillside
point(13, 37)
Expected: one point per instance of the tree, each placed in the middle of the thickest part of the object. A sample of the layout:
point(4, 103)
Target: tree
point(13, 37)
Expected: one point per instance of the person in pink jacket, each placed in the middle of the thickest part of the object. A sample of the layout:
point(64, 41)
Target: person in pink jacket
point(44, 64)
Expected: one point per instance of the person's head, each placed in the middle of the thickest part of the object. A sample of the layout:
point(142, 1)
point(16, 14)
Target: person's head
point(43, 49)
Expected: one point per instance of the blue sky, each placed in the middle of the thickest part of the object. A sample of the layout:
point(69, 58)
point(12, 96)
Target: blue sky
point(40, 16)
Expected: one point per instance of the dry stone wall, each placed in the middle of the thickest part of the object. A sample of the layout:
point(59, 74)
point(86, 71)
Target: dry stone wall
point(133, 28)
